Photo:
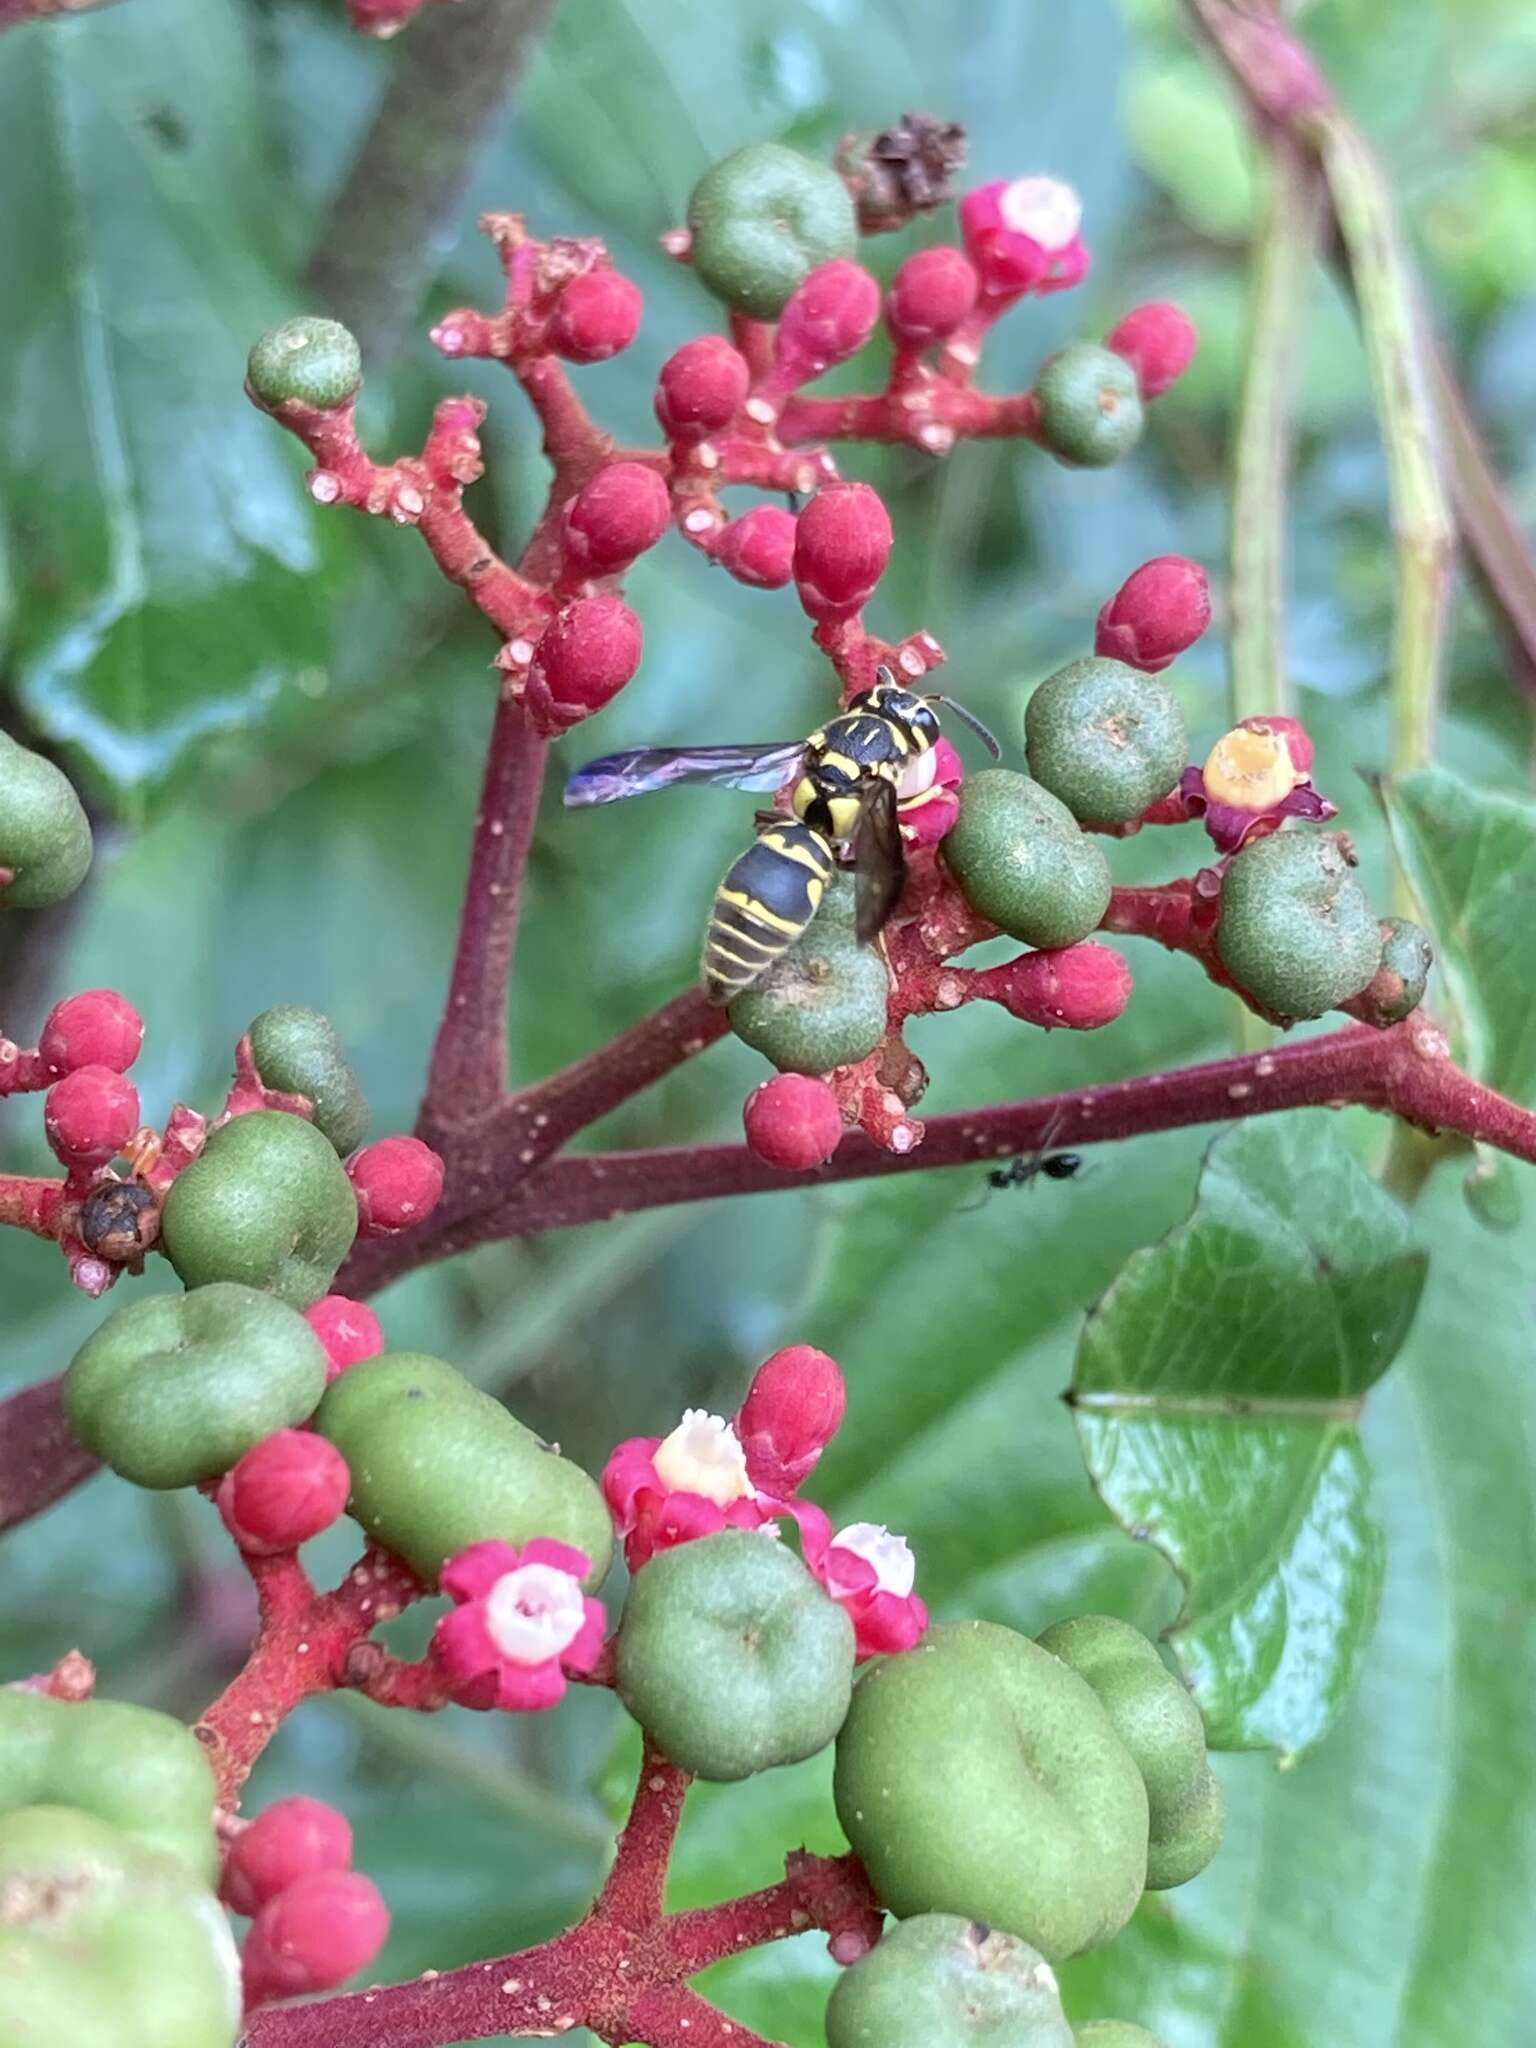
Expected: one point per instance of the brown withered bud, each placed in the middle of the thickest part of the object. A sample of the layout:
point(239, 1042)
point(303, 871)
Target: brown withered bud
point(120, 1220)
point(903, 171)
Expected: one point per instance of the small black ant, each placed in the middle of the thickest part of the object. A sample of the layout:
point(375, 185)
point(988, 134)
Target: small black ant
point(1021, 1171)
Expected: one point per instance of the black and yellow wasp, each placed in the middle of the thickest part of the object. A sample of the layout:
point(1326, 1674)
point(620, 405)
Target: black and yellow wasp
point(851, 779)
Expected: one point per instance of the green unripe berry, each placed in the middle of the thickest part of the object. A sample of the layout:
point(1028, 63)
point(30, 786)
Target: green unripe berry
point(1106, 739)
point(1090, 405)
point(437, 1465)
point(1115, 2034)
point(1023, 864)
point(1296, 931)
point(942, 1982)
point(107, 1943)
point(1397, 988)
point(266, 1203)
point(173, 1389)
point(296, 1052)
point(137, 1770)
point(762, 219)
point(1157, 1720)
point(45, 836)
point(822, 1004)
point(732, 1658)
point(978, 1775)
point(316, 362)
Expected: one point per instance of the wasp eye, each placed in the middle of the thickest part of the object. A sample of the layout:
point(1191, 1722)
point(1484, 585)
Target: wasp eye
point(918, 775)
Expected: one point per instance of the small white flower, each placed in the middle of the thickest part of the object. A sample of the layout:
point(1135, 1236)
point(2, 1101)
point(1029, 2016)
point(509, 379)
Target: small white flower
point(703, 1455)
point(534, 1613)
point(894, 1565)
point(1045, 209)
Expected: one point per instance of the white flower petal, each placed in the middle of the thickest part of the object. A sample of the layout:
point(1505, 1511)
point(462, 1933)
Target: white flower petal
point(703, 1455)
point(894, 1565)
point(1045, 209)
point(534, 1613)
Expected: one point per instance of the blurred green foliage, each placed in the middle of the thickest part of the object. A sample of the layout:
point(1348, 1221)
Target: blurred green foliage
point(285, 712)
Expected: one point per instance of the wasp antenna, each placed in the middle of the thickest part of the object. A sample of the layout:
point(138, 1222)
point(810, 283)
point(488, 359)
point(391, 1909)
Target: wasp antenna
point(982, 732)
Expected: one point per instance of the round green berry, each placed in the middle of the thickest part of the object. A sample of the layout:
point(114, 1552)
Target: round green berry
point(732, 1658)
point(762, 219)
point(45, 836)
point(296, 1052)
point(1115, 2034)
point(1090, 405)
point(1296, 932)
point(1159, 1723)
point(437, 1465)
point(1397, 988)
point(978, 1775)
point(173, 1389)
point(822, 1004)
point(1022, 862)
point(108, 1943)
point(1106, 739)
point(266, 1203)
point(939, 1981)
point(135, 1769)
point(308, 360)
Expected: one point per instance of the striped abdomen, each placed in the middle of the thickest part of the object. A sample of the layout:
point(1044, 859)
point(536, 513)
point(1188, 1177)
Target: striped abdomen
point(766, 901)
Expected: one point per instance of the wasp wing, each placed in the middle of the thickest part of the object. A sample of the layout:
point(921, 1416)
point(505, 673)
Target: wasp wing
point(879, 865)
point(613, 776)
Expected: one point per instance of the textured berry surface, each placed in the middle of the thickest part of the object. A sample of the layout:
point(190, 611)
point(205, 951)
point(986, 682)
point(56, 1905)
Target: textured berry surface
point(596, 317)
point(1296, 931)
point(842, 544)
point(1022, 863)
point(613, 519)
point(1397, 988)
point(97, 1028)
point(283, 1491)
point(732, 1658)
point(702, 387)
point(793, 1121)
point(319, 1931)
point(45, 836)
point(297, 1052)
point(762, 220)
point(1090, 406)
point(315, 361)
point(941, 1981)
point(397, 1181)
point(173, 1389)
point(90, 1115)
point(289, 1839)
point(1106, 739)
point(978, 1775)
point(822, 1004)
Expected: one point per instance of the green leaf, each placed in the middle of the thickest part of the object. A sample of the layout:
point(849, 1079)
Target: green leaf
point(1217, 1395)
point(162, 560)
point(1470, 855)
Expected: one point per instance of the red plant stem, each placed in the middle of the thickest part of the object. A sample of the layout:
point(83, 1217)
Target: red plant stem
point(23, 1069)
point(40, 1460)
point(672, 2016)
point(635, 1892)
point(28, 1202)
point(933, 416)
point(468, 1072)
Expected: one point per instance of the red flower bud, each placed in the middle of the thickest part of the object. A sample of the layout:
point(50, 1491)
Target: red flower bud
point(1023, 235)
point(98, 1028)
point(90, 1115)
point(793, 1409)
point(315, 1934)
point(933, 294)
point(397, 1182)
point(793, 1121)
point(616, 516)
point(595, 316)
point(1161, 608)
point(1071, 988)
point(284, 1490)
point(701, 388)
point(842, 544)
point(758, 547)
point(585, 657)
point(827, 319)
point(290, 1839)
point(1158, 341)
point(349, 1330)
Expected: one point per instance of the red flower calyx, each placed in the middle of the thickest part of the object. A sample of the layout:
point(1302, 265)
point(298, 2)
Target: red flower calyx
point(98, 1028)
point(596, 316)
point(1024, 235)
point(842, 544)
point(584, 658)
point(290, 1839)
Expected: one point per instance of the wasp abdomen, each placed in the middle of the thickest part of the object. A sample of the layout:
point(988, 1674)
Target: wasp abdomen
point(765, 902)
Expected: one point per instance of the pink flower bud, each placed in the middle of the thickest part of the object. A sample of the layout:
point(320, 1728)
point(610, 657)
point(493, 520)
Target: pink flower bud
point(291, 1839)
point(98, 1028)
point(842, 544)
point(793, 1121)
point(90, 1115)
point(758, 547)
point(1072, 988)
point(585, 657)
point(701, 388)
point(349, 1330)
point(1161, 608)
point(1158, 341)
point(595, 316)
point(827, 319)
point(1023, 235)
point(616, 516)
point(794, 1408)
point(397, 1182)
point(315, 1934)
point(285, 1490)
point(933, 294)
